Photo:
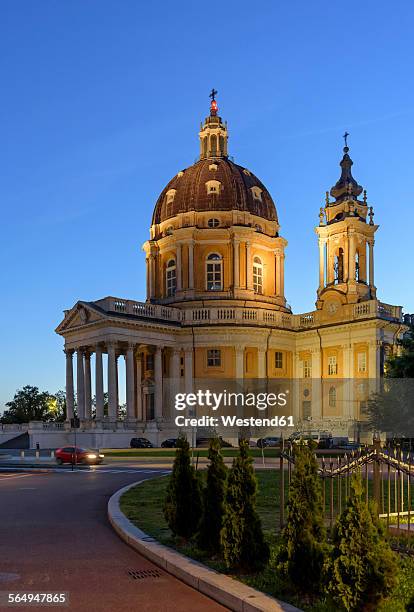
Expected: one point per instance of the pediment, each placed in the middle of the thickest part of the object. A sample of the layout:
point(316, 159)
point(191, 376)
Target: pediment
point(82, 314)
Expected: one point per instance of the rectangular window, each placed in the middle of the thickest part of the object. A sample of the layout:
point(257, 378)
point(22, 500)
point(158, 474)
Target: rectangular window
point(278, 360)
point(214, 276)
point(332, 365)
point(214, 358)
point(307, 368)
point(149, 361)
point(362, 362)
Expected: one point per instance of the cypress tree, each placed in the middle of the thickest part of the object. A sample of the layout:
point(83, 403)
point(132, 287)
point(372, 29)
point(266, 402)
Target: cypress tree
point(363, 567)
point(213, 501)
point(302, 555)
point(182, 505)
point(242, 537)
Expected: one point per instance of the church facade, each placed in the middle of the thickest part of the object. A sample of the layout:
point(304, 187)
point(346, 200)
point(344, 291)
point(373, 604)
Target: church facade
point(216, 307)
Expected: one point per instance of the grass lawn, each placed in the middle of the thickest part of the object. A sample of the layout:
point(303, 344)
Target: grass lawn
point(143, 506)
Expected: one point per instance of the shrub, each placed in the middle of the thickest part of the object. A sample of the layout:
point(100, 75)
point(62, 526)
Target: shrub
point(242, 537)
point(182, 506)
point(213, 501)
point(363, 568)
point(303, 552)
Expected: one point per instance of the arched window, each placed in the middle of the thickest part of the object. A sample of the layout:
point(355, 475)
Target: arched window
point(357, 267)
point(213, 145)
point(258, 275)
point(214, 272)
point(332, 397)
point(339, 266)
point(171, 278)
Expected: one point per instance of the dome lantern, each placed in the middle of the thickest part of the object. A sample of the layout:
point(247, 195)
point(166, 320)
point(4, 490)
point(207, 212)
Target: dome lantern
point(213, 134)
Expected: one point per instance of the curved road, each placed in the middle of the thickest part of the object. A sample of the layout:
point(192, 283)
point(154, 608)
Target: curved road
point(55, 537)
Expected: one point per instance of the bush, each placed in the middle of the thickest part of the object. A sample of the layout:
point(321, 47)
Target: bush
point(182, 506)
point(211, 524)
point(303, 553)
point(363, 568)
point(242, 537)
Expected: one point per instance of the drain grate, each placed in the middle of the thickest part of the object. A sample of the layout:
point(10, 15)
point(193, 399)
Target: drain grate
point(142, 574)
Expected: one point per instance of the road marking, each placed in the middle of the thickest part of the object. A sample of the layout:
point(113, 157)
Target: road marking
point(5, 477)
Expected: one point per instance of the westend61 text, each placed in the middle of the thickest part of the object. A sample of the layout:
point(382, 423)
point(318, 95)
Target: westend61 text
point(233, 421)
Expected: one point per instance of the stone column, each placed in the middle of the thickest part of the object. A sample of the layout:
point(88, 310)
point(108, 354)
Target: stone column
point(236, 263)
point(239, 361)
point(278, 273)
point(130, 381)
point(151, 275)
point(112, 383)
point(351, 264)
point(371, 263)
point(80, 383)
point(316, 383)
point(99, 388)
point(174, 382)
point(249, 270)
point(282, 274)
point(88, 386)
point(321, 264)
point(140, 414)
point(191, 264)
point(158, 383)
point(261, 362)
point(178, 266)
point(70, 396)
point(188, 369)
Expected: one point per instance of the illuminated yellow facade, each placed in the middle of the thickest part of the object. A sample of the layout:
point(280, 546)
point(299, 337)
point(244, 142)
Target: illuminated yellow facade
point(216, 306)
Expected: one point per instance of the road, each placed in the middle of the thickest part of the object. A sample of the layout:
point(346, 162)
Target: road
point(55, 537)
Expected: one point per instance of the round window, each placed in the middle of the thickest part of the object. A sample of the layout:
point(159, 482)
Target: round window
point(213, 222)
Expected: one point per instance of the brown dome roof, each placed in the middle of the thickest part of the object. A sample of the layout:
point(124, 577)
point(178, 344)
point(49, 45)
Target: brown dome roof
point(235, 191)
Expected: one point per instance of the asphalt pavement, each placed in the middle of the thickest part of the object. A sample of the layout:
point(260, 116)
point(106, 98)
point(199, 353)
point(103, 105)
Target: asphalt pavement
point(55, 537)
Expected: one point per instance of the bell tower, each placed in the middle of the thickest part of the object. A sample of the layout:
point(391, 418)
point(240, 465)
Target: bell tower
point(346, 242)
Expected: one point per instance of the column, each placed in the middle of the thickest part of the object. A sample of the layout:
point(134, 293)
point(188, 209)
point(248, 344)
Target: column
point(249, 271)
point(239, 361)
point(349, 409)
point(174, 382)
point(371, 263)
point(352, 258)
point(112, 383)
point(188, 369)
point(158, 383)
point(149, 286)
point(70, 396)
point(321, 264)
point(140, 414)
point(80, 383)
point(316, 383)
point(178, 266)
point(151, 277)
point(88, 386)
point(191, 265)
point(261, 362)
point(236, 263)
point(130, 382)
point(282, 274)
point(99, 388)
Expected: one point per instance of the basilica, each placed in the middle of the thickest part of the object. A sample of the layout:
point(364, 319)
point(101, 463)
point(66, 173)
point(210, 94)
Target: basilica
point(216, 307)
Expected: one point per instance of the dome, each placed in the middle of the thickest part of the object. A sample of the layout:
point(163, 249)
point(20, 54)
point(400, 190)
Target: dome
point(214, 183)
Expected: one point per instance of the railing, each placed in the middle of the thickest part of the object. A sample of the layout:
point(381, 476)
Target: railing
point(212, 315)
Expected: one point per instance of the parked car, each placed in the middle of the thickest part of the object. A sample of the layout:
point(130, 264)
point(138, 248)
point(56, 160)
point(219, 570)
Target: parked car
point(74, 454)
point(205, 442)
point(169, 443)
point(320, 438)
point(268, 441)
point(140, 443)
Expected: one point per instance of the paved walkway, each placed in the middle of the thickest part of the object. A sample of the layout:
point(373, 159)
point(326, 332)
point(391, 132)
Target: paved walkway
point(55, 537)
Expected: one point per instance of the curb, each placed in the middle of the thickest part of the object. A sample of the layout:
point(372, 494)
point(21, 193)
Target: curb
point(225, 590)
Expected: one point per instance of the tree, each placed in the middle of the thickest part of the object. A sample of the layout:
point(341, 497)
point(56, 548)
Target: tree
point(242, 537)
point(182, 506)
point(29, 404)
point(213, 501)
point(302, 555)
point(363, 568)
point(402, 366)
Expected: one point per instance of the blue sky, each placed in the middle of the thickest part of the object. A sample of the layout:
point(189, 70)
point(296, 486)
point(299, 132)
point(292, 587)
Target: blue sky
point(100, 106)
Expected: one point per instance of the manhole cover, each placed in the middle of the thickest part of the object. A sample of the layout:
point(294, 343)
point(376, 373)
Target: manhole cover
point(8, 577)
point(141, 574)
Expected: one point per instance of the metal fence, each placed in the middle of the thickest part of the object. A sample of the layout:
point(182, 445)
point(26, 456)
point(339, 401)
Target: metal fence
point(386, 475)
